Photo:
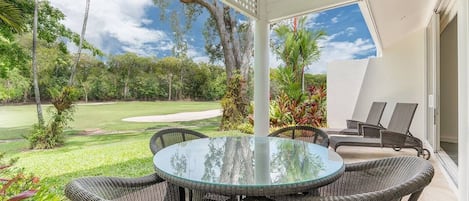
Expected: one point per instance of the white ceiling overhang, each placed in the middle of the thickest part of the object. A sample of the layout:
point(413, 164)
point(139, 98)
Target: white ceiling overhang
point(282, 9)
point(388, 20)
point(394, 20)
point(276, 10)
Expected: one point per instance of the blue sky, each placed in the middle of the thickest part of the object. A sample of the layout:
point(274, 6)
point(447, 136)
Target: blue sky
point(120, 26)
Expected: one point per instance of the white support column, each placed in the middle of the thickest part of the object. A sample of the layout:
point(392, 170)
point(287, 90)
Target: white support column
point(463, 88)
point(261, 78)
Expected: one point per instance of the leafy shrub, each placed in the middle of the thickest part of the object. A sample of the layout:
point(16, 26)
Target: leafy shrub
point(51, 135)
point(247, 128)
point(287, 111)
point(14, 184)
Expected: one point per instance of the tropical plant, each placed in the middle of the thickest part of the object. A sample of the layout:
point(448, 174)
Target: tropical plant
point(17, 185)
point(10, 16)
point(14, 184)
point(297, 47)
point(51, 135)
point(285, 111)
point(288, 84)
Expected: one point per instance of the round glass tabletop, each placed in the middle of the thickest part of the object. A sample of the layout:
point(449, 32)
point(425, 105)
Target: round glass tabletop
point(247, 161)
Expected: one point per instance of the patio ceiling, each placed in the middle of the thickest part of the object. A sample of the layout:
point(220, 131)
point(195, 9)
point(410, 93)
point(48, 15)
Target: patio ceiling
point(395, 19)
point(388, 21)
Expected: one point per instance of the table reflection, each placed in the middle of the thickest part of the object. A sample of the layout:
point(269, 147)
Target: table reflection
point(293, 161)
point(262, 160)
point(247, 161)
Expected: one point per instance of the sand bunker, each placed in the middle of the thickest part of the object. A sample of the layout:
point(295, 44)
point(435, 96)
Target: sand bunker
point(183, 116)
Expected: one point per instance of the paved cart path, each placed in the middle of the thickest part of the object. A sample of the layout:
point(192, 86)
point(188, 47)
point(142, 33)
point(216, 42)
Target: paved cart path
point(183, 116)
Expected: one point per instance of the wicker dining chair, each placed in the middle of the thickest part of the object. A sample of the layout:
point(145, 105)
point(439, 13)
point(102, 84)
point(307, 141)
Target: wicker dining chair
point(304, 133)
point(147, 188)
point(170, 136)
point(389, 179)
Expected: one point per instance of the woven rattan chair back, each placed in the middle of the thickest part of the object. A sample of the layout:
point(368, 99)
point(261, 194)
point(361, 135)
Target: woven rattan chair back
point(305, 133)
point(385, 180)
point(388, 179)
point(146, 188)
point(167, 137)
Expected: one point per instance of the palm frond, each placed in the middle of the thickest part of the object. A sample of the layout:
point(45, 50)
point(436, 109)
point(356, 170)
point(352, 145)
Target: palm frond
point(10, 16)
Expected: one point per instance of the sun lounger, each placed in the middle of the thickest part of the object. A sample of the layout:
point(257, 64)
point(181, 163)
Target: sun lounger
point(396, 136)
point(374, 117)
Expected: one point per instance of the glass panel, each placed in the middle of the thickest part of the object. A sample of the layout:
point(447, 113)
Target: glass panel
point(248, 161)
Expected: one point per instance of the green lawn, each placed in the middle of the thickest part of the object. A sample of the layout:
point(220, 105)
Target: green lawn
point(17, 120)
point(125, 154)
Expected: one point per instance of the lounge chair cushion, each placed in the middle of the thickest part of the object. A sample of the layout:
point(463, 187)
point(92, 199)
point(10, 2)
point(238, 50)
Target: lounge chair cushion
point(336, 141)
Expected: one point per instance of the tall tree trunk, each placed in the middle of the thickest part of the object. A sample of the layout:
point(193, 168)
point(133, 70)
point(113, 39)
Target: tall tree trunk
point(86, 90)
point(25, 96)
point(37, 96)
point(237, 50)
point(80, 45)
point(181, 81)
point(126, 83)
point(170, 86)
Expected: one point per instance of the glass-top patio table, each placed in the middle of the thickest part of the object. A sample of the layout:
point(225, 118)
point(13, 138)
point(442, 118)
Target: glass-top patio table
point(250, 166)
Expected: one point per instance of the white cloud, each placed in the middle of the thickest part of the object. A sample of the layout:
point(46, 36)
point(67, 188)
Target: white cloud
point(340, 50)
point(311, 21)
point(335, 20)
point(197, 56)
point(350, 31)
point(333, 51)
point(118, 21)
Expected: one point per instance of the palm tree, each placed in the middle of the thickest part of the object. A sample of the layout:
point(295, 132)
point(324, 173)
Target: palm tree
point(80, 45)
point(10, 16)
point(37, 96)
point(297, 47)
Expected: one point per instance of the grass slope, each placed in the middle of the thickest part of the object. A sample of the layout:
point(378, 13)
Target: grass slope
point(123, 155)
point(16, 121)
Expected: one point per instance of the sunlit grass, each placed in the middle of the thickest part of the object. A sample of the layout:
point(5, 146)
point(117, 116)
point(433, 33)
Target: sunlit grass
point(16, 121)
point(123, 155)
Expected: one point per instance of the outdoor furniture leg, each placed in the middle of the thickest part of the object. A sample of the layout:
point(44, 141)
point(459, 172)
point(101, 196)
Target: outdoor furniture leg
point(182, 193)
point(196, 195)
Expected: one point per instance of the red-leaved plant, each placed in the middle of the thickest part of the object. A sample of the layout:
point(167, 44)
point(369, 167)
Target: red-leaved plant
point(14, 184)
point(312, 111)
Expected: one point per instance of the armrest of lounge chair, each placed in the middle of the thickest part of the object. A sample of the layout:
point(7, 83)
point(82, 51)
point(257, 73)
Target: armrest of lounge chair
point(392, 139)
point(353, 124)
point(369, 130)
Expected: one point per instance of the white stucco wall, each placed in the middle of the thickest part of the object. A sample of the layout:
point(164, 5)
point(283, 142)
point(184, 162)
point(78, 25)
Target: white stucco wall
point(398, 76)
point(344, 81)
